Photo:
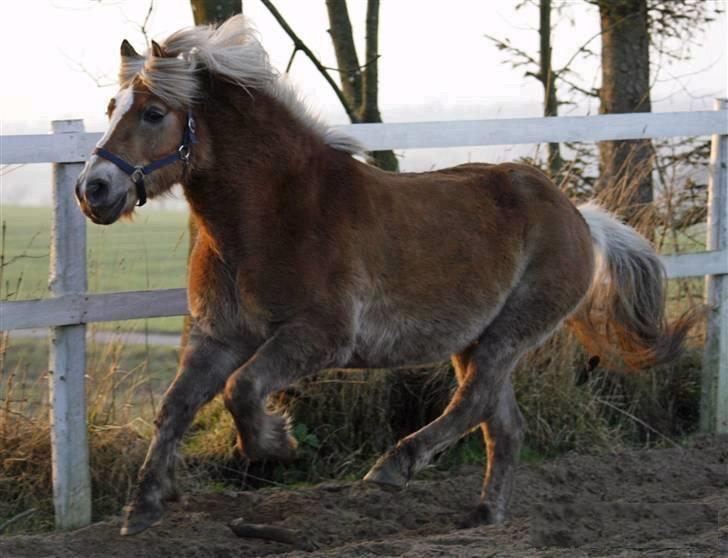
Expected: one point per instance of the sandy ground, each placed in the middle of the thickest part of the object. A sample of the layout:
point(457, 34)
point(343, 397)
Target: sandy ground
point(668, 502)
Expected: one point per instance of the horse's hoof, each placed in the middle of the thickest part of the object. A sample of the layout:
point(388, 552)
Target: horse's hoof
point(386, 473)
point(137, 519)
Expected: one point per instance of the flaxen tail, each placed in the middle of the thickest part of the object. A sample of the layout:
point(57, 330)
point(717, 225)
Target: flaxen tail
point(624, 310)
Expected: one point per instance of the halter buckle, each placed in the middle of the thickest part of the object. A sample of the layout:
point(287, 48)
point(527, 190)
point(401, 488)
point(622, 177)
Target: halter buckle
point(184, 153)
point(138, 175)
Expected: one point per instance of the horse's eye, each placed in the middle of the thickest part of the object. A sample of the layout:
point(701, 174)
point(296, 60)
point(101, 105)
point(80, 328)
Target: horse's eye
point(153, 115)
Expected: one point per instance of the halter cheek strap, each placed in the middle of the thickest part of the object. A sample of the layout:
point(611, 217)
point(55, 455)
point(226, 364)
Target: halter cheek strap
point(138, 172)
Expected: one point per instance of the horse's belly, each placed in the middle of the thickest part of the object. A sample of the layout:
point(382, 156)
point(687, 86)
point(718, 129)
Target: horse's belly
point(387, 338)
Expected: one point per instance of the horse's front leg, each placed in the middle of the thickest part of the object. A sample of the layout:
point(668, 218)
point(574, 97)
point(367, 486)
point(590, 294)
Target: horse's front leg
point(206, 366)
point(295, 350)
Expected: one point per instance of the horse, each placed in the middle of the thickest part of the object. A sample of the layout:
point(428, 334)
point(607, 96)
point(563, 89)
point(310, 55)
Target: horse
point(308, 258)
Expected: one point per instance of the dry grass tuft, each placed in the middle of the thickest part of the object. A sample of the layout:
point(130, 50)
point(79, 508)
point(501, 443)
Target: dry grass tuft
point(26, 482)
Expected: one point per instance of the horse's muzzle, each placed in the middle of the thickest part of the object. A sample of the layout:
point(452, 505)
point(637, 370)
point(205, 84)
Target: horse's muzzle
point(97, 207)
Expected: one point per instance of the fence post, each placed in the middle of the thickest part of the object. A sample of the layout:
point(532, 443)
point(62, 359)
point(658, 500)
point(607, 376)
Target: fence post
point(67, 366)
point(714, 399)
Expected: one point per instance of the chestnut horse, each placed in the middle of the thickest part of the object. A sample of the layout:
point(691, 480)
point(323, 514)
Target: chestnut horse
point(309, 259)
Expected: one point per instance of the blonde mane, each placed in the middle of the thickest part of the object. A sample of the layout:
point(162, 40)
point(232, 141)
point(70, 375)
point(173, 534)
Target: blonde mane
point(232, 52)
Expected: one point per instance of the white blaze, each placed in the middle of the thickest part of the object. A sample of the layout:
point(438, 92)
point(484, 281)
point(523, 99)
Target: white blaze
point(95, 165)
point(122, 103)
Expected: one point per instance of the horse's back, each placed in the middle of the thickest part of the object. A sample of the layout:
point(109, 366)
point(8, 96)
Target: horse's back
point(501, 213)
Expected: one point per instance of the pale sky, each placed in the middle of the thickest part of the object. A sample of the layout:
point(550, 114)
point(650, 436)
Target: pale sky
point(435, 64)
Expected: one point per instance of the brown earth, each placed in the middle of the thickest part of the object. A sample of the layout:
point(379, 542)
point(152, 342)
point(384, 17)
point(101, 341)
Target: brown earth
point(661, 502)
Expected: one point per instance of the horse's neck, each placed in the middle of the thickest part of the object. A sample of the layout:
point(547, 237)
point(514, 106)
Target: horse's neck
point(255, 149)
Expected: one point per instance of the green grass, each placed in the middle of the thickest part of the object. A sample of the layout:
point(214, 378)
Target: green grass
point(148, 253)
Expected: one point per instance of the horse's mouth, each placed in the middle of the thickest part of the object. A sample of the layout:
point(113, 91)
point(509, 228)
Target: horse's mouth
point(106, 214)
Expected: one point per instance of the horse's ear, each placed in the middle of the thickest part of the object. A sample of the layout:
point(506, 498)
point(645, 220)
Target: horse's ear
point(157, 50)
point(127, 51)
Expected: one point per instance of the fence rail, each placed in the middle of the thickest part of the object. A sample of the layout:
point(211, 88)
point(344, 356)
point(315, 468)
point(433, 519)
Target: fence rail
point(76, 147)
point(71, 307)
point(106, 307)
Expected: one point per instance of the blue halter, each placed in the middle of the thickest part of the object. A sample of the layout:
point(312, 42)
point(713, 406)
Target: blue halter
point(138, 172)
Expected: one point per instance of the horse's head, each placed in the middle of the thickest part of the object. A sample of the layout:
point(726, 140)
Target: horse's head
point(146, 148)
point(150, 143)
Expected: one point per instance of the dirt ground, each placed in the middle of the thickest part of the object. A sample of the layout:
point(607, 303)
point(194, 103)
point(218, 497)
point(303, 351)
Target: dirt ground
point(667, 502)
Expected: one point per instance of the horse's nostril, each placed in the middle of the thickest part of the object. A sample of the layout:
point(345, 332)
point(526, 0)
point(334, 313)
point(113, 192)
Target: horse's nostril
point(96, 190)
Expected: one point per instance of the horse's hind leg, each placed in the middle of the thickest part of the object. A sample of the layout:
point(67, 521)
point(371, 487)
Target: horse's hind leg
point(503, 434)
point(484, 396)
point(205, 367)
point(484, 380)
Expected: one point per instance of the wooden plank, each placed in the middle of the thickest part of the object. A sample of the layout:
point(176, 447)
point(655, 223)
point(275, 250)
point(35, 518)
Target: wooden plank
point(514, 131)
point(75, 309)
point(67, 366)
point(48, 148)
point(130, 305)
point(51, 312)
point(135, 304)
point(714, 395)
point(695, 264)
point(412, 135)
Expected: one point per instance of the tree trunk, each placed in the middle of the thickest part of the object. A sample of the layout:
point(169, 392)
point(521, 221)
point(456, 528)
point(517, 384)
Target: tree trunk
point(625, 166)
point(347, 60)
point(206, 12)
point(370, 99)
point(546, 75)
point(359, 83)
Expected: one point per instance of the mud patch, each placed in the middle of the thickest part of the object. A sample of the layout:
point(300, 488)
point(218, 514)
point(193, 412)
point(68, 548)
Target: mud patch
point(579, 523)
point(669, 502)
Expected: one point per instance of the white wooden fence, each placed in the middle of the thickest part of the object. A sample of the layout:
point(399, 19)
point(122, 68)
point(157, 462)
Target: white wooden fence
point(71, 307)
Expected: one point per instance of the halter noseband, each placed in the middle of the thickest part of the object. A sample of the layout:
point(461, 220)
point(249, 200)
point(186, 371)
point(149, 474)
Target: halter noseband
point(138, 172)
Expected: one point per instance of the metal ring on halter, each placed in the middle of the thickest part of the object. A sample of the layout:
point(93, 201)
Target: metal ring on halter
point(184, 153)
point(138, 175)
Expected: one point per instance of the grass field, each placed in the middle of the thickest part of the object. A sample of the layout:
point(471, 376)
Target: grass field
point(148, 253)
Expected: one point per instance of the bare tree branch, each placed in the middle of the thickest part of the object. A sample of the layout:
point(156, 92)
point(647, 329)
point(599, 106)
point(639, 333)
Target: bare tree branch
point(100, 80)
point(505, 44)
point(290, 60)
point(145, 23)
point(576, 87)
point(582, 49)
point(300, 45)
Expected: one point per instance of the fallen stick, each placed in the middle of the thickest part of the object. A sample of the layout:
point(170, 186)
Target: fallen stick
point(277, 534)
